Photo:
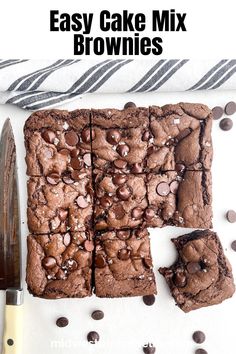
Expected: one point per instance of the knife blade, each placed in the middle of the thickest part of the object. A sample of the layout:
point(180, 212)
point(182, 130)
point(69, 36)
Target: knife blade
point(10, 242)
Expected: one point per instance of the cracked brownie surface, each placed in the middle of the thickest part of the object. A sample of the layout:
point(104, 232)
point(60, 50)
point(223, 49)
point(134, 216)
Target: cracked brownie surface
point(202, 275)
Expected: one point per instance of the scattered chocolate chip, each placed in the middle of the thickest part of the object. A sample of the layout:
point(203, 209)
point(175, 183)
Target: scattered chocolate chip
point(179, 167)
point(137, 168)
point(76, 175)
point(62, 322)
point(230, 108)
point(174, 187)
point(100, 261)
point(63, 214)
point(119, 212)
point(113, 137)
point(93, 337)
point(74, 153)
point(67, 179)
point(199, 337)
point(163, 189)
point(82, 202)
point(97, 315)
point(149, 349)
point(149, 213)
point(231, 216)
point(146, 136)
point(86, 135)
point(233, 245)
point(60, 274)
point(76, 164)
point(200, 351)
point(53, 178)
point(123, 234)
point(217, 112)
point(106, 201)
point(87, 159)
point(49, 136)
point(180, 279)
point(70, 264)
point(120, 164)
point(123, 150)
point(123, 193)
point(64, 152)
point(66, 239)
point(147, 262)
point(119, 179)
point(129, 105)
point(89, 245)
point(49, 262)
point(137, 213)
point(149, 300)
point(193, 267)
point(124, 254)
point(226, 124)
point(71, 138)
point(140, 233)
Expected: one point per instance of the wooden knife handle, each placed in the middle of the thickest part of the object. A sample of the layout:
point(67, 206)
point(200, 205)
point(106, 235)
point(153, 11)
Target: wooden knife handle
point(13, 336)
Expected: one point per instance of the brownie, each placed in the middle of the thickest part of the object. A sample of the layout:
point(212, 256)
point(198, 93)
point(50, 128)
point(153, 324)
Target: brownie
point(56, 206)
point(58, 142)
point(123, 264)
point(59, 265)
point(120, 139)
point(202, 275)
point(180, 137)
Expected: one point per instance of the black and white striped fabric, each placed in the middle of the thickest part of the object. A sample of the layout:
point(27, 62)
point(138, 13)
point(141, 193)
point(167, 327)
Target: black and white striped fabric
point(36, 84)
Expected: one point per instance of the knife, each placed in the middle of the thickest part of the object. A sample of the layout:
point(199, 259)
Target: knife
point(10, 244)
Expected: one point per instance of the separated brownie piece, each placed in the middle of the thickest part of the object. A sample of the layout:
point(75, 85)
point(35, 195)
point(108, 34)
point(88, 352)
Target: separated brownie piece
point(56, 206)
point(58, 142)
point(120, 139)
point(202, 275)
point(59, 265)
point(123, 264)
point(181, 137)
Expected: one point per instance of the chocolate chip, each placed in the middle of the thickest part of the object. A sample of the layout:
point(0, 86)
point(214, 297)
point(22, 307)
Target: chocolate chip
point(121, 164)
point(174, 187)
point(119, 179)
point(63, 214)
point(226, 124)
point(76, 164)
point(64, 152)
point(93, 337)
point(217, 112)
point(100, 261)
point(70, 264)
point(76, 175)
point(137, 213)
point(230, 108)
point(163, 189)
point(149, 349)
point(82, 202)
point(199, 337)
point(200, 351)
point(123, 150)
point(149, 300)
point(97, 315)
point(149, 213)
point(49, 136)
point(67, 179)
point(60, 274)
point(123, 234)
point(183, 134)
point(140, 233)
point(146, 136)
point(233, 245)
point(129, 105)
point(74, 153)
point(113, 137)
point(49, 262)
point(193, 267)
point(87, 159)
point(124, 254)
point(147, 262)
point(62, 322)
point(53, 178)
point(119, 212)
point(89, 245)
point(137, 168)
point(179, 167)
point(151, 150)
point(71, 138)
point(180, 279)
point(106, 201)
point(231, 216)
point(66, 239)
point(123, 193)
point(85, 135)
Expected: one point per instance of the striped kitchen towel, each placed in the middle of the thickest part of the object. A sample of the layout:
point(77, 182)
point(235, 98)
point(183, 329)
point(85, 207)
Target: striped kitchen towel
point(36, 84)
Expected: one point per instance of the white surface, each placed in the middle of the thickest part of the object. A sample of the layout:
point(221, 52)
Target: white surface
point(129, 324)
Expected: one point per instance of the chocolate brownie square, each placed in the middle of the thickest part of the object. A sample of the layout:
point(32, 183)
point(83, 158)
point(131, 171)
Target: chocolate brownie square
point(181, 137)
point(123, 264)
point(56, 206)
point(59, 265)
point(120, 139)
point(58, 142)
point(202, 275)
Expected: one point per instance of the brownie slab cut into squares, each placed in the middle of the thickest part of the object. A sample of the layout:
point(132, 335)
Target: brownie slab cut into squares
point(123, 264)
point(59, 265)
point(202, 275)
